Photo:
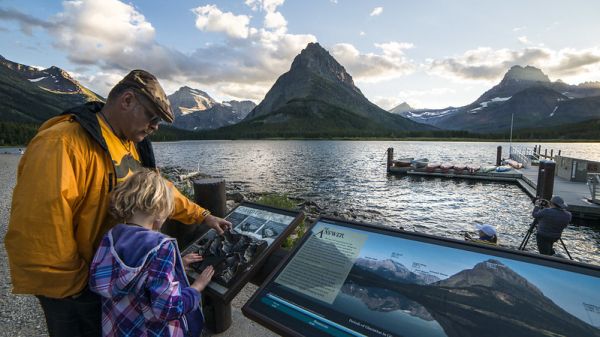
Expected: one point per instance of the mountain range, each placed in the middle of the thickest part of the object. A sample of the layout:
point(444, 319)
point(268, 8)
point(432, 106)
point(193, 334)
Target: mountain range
point(317, 97)
point(32, 95)
point(195, 110)
point(527, 96)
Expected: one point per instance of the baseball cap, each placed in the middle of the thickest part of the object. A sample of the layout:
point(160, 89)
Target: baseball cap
point(558, 201)
point(147, 85)
point(488, 230)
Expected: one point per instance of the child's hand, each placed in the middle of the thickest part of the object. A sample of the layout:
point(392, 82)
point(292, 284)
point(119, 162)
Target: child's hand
point(191, 258)
point(203, 279)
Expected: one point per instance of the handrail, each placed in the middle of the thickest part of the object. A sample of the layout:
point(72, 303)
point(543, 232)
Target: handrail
point(521, 155)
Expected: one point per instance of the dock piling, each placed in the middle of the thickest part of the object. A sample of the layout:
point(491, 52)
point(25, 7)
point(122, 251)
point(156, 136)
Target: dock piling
point(498, 155)
point(390, 158)
point(545, 182)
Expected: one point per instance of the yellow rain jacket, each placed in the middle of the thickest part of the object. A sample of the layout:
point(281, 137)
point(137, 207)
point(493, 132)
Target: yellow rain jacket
point(59, 206)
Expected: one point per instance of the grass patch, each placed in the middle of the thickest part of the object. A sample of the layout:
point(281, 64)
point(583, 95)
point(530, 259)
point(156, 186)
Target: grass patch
point(282, 201)
point(278, 201)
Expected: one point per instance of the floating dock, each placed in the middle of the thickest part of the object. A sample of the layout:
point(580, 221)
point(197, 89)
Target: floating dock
point(576, 194)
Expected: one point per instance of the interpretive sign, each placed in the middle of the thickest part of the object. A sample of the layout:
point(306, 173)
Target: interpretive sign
point(351, 279)
point(238, 254)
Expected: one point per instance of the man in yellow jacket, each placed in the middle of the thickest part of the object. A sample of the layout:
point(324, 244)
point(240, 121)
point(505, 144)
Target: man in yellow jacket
point(59, 207)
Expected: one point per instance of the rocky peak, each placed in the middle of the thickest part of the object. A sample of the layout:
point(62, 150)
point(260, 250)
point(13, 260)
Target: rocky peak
point(400, 108)
point(187, 100)
point(316, 59)
point(488, 274)
point(58, 72)
point(527, 73)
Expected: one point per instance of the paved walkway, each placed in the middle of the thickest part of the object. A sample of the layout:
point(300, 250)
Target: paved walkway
point(575, 194)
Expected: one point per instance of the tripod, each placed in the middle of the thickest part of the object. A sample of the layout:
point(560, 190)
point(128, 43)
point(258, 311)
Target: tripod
point(528, 235)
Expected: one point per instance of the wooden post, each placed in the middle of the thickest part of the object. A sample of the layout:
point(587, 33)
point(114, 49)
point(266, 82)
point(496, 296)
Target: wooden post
point(390, 157)
point(548, 182)
point(545, 153)
point(534, 149)
point(559, 153)
point(539, 187)
point(498, 155)
point(551, 153)
point(210, 194)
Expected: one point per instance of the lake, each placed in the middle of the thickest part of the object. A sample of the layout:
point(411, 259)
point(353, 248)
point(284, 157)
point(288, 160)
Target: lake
point(351, 176)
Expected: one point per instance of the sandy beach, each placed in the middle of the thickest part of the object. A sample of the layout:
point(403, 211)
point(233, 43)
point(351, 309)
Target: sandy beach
point(21, 315)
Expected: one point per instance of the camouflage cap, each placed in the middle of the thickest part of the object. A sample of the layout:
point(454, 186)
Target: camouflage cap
point(148, 85)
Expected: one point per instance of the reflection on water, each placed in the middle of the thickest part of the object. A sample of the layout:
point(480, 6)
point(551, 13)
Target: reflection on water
point(351, 175)
point(406, 323)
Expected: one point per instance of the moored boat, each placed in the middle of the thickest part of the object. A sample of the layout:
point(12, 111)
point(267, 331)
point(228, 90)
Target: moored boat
point(420, 163)
point(445, 167)
point(432, 167)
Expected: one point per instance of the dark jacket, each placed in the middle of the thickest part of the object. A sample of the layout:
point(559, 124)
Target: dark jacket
point(551, 221)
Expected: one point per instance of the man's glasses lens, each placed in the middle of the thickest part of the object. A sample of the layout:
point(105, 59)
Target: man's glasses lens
point(153, 118)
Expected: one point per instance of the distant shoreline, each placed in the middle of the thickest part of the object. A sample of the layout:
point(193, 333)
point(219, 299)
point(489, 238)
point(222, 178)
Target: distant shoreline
point(427, 139)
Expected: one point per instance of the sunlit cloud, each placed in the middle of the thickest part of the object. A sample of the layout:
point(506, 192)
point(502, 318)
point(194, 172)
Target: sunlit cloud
point(415, 98)
point(371, 67)
point(523, 39)
point(210, 18)
point(376, 11)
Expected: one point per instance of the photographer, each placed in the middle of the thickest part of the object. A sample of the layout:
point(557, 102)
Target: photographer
point(552, 218)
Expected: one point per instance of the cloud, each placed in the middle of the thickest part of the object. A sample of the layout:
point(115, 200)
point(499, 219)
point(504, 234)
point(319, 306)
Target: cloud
point(210, 18)
point(275, 20)
point(376, 11)
point(518, 29)
point(108, 32)
point(523, 39)
point(572, 62)
point(361, 33)
point(415, 98)
point(486, 64)
point(264, 5)
point(372, 67)
point(26, 22)
point(115, 37)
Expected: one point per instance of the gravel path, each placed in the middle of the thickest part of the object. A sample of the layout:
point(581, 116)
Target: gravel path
point(19, 315)
point(22, 315)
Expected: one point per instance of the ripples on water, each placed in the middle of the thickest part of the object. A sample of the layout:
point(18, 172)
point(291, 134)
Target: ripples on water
point(351, 175)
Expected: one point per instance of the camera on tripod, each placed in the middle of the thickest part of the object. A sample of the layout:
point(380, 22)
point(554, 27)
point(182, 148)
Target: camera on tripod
point(543, 203)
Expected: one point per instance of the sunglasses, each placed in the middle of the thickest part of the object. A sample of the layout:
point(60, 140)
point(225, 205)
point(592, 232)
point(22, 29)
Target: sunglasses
point(152, 117)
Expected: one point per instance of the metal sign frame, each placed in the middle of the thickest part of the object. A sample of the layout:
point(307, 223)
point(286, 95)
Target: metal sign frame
point(227, 293)
point(255, 310)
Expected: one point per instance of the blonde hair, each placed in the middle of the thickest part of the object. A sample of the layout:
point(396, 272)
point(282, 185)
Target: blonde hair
point(144, 191)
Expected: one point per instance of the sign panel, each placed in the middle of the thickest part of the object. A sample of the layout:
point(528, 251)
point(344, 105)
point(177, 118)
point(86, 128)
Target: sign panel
point(237, 254)
point(350, 279)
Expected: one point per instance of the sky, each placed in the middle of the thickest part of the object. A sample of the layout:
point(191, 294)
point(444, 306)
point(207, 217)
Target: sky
point(430, 53)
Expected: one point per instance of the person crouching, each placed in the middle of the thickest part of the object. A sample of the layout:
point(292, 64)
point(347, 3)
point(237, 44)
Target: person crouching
point(552, 218)
point(139, 272)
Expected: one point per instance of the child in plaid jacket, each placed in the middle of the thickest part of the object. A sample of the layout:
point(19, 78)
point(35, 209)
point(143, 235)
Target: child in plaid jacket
point(140, 273)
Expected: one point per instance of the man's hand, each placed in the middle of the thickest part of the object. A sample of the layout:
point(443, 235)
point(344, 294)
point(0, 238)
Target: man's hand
point(217, 223)
point(191, 258)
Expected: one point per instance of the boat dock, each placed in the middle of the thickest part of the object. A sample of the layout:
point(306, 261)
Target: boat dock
point(577, 194)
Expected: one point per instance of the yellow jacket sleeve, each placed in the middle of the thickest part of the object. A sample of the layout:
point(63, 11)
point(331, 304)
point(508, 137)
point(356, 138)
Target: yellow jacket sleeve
point(41, 244)
point(185, 210)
